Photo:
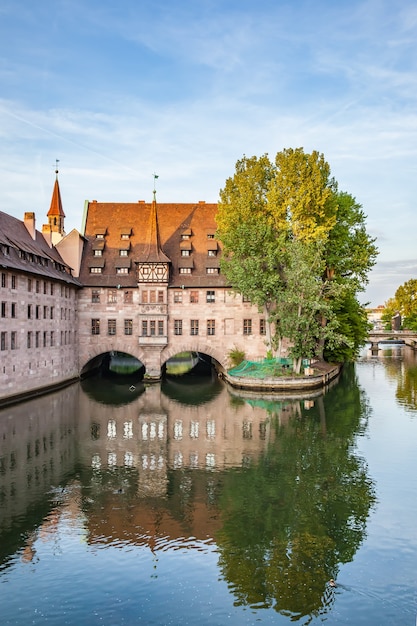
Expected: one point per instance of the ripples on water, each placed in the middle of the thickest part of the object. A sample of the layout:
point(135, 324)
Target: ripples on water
point(192, 503)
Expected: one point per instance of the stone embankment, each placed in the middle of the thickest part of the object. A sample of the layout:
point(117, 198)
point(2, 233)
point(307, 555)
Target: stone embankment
point(319, 375)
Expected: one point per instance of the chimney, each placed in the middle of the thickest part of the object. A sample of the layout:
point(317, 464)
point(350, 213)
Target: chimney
point(47, 234)
point(29, 222)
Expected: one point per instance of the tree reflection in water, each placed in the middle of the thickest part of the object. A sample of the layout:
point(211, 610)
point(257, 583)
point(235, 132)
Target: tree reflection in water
point(301, 510)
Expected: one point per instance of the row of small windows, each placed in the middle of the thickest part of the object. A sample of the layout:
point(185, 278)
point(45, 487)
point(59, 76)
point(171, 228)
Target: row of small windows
point(98, 269)
point(33, 285)
point(35, 339)
point(9, 309)
point(151, 328)
point(151, 296)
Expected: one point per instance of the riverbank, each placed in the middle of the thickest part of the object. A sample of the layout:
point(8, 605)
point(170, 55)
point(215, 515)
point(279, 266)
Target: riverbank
point(318, 375)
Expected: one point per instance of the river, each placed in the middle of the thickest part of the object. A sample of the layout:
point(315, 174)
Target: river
point(189, 503)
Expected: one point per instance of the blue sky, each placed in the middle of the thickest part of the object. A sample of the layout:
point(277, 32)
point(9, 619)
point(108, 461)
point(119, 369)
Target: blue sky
point(120, 90)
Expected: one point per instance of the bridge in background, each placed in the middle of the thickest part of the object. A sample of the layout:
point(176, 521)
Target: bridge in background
point(407, 337)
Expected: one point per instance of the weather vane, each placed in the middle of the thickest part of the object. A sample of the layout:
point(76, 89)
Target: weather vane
point(155, 176)
point(56, 167)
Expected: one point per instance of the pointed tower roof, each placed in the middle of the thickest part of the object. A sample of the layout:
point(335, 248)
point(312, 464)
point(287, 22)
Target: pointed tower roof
point(56, 209)
point(153, 252)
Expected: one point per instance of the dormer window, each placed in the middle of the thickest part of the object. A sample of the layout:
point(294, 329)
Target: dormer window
point(99, 236)
point(186, 234)
point(98, 252)
point(125, 233)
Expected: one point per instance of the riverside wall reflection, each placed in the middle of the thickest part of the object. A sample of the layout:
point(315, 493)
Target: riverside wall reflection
point(273, 483)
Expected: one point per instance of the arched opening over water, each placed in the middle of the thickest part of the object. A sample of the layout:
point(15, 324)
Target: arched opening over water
point(113, 378)
point(191, 375)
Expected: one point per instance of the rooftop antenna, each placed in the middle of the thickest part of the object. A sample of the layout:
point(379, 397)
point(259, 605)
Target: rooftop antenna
point(155, 176)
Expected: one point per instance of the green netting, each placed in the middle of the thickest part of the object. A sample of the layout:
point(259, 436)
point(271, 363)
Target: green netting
point(265, 368)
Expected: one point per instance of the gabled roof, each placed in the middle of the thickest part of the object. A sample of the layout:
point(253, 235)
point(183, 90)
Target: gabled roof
point(156, 235)
point(20, 252)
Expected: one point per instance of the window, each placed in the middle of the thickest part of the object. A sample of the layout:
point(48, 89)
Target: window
point(247, 327)
point(185, 252)
point(29, 284)
point(128, 296)
point(45, 286)
point(3, 341)
point(245, 298)
point(194, 327)
point(95, 295)
point(211, 252)
point(212, 270)
point(38, 286)
point(128, 327)
point(123, 252)
point(95, 270)
point(13, 281)
point(262, 326)
point(98, 253)
point(37, 339)
point(177, 327)
point(13, 309)
point(160, 328)
point(29, 339)
point(194, 297)
point(210, 296)
point(177, 296)
point(160, 297)
point(3, 309)
point(95, 327)
point(124, 236)
point(52, 338)
point(185, 270)
point(52, 289)
point(211, 327)
point(144, 328)
point(52, 312)
point(13, 340)
point(45, 312)
point(122, 270)
point(29, 311)
point(152, 328)
point(3, 279)
point(112, 296)
point(144, 297)
point(111, 327)
point(45, 341)
point(210, 235)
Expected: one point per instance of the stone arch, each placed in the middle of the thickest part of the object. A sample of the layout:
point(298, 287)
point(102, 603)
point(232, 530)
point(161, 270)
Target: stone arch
point(194, 346)
point(111, 345)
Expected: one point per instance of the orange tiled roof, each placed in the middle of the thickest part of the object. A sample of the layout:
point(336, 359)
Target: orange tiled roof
point(157, 233)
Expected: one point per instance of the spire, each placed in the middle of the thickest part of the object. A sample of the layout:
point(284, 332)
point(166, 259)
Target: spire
point(153, 252)
point(56, 213)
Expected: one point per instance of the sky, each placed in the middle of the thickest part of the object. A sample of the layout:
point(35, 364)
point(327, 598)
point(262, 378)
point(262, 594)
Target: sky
point(120, 91)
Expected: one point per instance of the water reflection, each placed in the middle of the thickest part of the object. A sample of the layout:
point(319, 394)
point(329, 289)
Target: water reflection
point(274, 484)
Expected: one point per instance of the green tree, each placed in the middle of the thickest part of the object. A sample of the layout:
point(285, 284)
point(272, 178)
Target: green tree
point(406, 299)
point(272, 220)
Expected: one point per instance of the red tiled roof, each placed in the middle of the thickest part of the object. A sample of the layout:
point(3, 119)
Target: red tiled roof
point(163, 244)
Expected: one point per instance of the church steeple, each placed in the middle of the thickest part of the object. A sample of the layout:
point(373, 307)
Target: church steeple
point(56, 213)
